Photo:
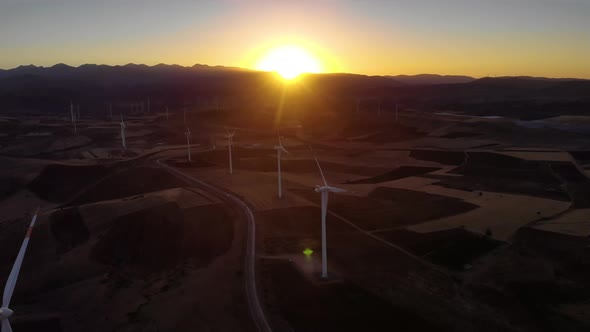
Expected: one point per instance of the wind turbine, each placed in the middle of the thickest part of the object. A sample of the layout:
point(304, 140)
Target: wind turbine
point(280, 148)
point(465, 160)
point(73, 117)
point(6, 312)
point(188, 143)
point(123, 134)
point(358, 101)
point(324, 190)
point(230, 142)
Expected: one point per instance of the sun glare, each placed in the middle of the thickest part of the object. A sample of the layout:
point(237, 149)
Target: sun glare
point(289, 62)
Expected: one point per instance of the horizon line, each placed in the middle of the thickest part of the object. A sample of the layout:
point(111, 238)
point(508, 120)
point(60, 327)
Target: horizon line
point(322, 73)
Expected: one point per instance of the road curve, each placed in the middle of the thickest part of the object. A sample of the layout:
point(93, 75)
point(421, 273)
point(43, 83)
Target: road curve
point(258, 315)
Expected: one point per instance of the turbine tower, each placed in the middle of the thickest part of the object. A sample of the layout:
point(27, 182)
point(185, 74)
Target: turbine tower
point(280, 149)
point(188, 143)
point(230, 142)
point(123, 134)
point(73, 117)
point(465, 160)
point(324, 190)
point(6, 312)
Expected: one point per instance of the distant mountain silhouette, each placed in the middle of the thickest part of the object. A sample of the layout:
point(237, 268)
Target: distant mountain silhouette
point(50, 88)
point(431, 79)
point(60, 71)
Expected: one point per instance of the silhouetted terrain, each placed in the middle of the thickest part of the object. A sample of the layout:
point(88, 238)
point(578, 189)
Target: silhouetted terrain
point(34, 88)
point(430, 79)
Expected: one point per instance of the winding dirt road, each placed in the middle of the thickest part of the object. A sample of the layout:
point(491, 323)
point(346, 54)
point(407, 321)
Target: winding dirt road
point(258, 315)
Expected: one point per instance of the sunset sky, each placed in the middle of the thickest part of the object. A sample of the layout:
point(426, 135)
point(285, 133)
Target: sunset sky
point(377, 37)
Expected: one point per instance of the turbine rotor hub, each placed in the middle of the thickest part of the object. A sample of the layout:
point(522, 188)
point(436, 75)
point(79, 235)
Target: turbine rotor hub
point(5, 313)
point(319, 189)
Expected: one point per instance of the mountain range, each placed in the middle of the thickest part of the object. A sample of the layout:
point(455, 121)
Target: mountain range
point(33, 87)
point(63, 71)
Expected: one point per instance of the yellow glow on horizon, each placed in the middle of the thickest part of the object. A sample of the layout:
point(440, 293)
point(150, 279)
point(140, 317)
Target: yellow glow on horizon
point(289, 62)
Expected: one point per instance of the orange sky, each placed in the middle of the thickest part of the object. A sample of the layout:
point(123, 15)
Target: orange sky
point(478, 38)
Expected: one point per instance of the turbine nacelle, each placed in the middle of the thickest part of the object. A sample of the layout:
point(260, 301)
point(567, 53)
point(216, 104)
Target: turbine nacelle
point(229, 133)
point(281, 148)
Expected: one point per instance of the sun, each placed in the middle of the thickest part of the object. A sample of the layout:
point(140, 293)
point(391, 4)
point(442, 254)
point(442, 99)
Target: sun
point(289, 62)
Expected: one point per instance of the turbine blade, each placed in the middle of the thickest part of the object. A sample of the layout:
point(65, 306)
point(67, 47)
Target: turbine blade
point(322, 173)
point(12, 278)
point(6, 326)
point(283, 149)
point(336, 190)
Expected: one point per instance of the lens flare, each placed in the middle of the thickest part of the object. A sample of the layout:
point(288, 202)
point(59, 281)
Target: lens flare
point(289, 62)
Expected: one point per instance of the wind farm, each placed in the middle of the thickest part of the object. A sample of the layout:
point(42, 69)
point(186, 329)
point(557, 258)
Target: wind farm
point(425, 206)
point(305, 166)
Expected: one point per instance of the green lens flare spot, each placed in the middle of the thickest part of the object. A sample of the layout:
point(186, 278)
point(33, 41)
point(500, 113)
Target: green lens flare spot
point(307, 252)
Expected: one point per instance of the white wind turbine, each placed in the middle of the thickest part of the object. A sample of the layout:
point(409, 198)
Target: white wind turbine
point(123, 134)
point(188, 143)
point(280, 149)
point(6, 312)
point(73, 117)
point(230, 142)
point(324, 190)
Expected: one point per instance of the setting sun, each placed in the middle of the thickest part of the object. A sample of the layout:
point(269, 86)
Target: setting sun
point(289, 62)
